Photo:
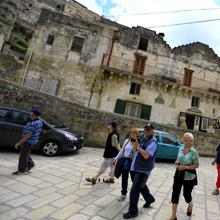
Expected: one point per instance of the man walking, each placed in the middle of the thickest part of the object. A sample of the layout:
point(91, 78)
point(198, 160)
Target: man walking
point(30, 135)
point(141, 167)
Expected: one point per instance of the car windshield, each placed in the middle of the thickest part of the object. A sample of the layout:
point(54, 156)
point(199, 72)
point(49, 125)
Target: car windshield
point(52, 122)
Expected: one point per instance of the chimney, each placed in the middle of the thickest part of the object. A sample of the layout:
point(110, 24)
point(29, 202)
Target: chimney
point(161, 35)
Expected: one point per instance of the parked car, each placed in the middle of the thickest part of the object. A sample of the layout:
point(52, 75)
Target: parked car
point(54, 139)
point(168, 145)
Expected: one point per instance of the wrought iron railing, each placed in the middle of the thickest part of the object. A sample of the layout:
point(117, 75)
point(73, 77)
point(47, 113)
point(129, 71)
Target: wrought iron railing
point(126, 65)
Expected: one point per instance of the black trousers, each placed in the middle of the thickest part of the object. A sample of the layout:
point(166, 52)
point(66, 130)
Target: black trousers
point(187, 190)
point(25, 159)
point(124, 181)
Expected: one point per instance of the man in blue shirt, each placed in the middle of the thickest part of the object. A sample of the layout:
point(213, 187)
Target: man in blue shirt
point(141, 167)
point(30, 133)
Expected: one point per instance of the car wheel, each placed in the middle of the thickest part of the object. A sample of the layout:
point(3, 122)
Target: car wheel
point(50, 148)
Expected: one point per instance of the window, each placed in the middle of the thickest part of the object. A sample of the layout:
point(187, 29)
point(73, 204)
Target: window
point(156, 135)
point(77, 44)
point(195, 102)
point(139, 64)
point(3, 114)
point(167, 139)
point(50, 39)
point(204, 124)
point(133, 109)
point(135, 88)
point(143, 43)
point(187, 80)
point(59, 7)
point(20, 118)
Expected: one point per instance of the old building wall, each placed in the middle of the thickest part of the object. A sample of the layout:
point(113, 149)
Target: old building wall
point(74, 71)
point(91, 123)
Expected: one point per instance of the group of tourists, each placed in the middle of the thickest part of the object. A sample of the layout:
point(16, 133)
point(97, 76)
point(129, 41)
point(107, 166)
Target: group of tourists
point(137, 158)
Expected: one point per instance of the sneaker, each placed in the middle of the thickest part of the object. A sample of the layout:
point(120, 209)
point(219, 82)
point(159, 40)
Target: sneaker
point(130, 215)
point(121, 198)
point(215, 192)
point(147, 204)
point(20, 172)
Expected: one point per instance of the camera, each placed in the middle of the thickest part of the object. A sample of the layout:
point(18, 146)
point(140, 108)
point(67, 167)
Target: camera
point(133, 140)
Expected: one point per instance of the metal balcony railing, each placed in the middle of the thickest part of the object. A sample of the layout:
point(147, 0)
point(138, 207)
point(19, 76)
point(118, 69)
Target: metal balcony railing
point(126, 65)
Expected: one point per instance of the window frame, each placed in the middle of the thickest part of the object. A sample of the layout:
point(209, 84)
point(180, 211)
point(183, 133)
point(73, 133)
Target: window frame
point(139, 64)
point(50, 39)
point(76, 45)
point(135, 88)
point(195, 101)
point(187, 77)
point(143, 45)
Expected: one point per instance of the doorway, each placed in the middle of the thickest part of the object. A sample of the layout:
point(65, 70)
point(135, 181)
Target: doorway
point(190, 121)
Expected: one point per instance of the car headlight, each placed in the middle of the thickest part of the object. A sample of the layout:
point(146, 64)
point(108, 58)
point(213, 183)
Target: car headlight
point(71, 137)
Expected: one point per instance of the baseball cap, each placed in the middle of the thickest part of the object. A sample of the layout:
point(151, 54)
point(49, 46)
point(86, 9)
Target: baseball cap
point(36, 111)
point(149, 126)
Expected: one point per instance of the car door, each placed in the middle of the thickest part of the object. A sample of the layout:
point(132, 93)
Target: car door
point(3, 113)
point(16, 120)
point(168, 146)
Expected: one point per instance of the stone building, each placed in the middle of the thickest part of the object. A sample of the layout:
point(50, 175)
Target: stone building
point(65, 50)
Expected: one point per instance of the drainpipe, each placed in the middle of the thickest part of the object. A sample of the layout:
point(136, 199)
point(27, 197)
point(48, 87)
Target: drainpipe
point(25, 72)
point(110, 52)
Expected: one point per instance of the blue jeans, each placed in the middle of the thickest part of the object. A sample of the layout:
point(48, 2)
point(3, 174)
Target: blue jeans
point(139, 186)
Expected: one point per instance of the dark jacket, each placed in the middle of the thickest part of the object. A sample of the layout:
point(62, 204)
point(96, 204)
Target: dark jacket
point(110, 151)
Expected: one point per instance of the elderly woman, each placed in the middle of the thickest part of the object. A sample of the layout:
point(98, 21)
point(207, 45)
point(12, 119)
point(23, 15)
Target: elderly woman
point(185, 175)
point(127, 152)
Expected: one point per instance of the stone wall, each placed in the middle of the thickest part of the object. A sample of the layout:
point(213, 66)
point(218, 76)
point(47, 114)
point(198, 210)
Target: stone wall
point(91, 123)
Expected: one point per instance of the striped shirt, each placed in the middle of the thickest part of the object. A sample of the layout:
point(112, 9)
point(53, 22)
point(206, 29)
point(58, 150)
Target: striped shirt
point(34, 127)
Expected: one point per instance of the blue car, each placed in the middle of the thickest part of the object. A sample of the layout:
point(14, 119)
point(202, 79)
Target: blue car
point(168, 145)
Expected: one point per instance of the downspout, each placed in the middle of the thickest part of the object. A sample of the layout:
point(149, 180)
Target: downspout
point(110, 52)
point(25, 72)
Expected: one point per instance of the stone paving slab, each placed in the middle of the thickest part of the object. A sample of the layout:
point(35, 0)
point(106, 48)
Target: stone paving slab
point(56, 189)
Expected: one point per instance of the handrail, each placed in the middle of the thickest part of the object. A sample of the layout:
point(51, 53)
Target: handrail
point(126, 65)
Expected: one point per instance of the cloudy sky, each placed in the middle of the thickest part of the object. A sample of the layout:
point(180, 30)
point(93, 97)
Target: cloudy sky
point(125, 12)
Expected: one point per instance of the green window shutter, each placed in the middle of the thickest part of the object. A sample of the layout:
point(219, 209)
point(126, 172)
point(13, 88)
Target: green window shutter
point(120, 106)
point(145, 112)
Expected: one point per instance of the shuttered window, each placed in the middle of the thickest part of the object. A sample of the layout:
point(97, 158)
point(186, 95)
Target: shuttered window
point(133, 109)
point(187, 79)
point(139, 64)
point(120, 106)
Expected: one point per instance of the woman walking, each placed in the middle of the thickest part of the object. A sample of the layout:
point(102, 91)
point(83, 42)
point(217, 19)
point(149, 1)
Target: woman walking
point(127, 153)
point(186, 164)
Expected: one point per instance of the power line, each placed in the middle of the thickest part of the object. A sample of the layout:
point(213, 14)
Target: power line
point(165, 12)
point(191, 22)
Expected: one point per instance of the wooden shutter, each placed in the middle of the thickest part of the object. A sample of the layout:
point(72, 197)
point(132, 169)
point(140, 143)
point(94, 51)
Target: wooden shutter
point(145, 112)
point(120, 106)
point(136, 64)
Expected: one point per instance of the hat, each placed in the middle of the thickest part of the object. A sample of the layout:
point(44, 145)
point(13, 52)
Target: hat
point(113, 124)
point(149, 126)
point(36, 111)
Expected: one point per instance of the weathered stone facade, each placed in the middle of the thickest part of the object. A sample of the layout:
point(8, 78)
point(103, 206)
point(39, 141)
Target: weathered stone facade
point(75, 54)
point(90, 122)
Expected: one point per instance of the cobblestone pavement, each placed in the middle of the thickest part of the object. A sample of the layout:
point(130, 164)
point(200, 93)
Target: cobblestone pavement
point(56, 189)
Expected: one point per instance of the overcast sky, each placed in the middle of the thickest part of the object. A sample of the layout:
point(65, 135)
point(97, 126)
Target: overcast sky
point(207, 32)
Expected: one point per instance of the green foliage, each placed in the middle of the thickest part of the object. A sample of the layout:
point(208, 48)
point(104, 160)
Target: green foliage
point(18, 47)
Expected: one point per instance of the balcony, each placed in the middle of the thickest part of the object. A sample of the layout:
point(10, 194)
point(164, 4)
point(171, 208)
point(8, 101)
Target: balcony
point(128, 67)
point(120, 66)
